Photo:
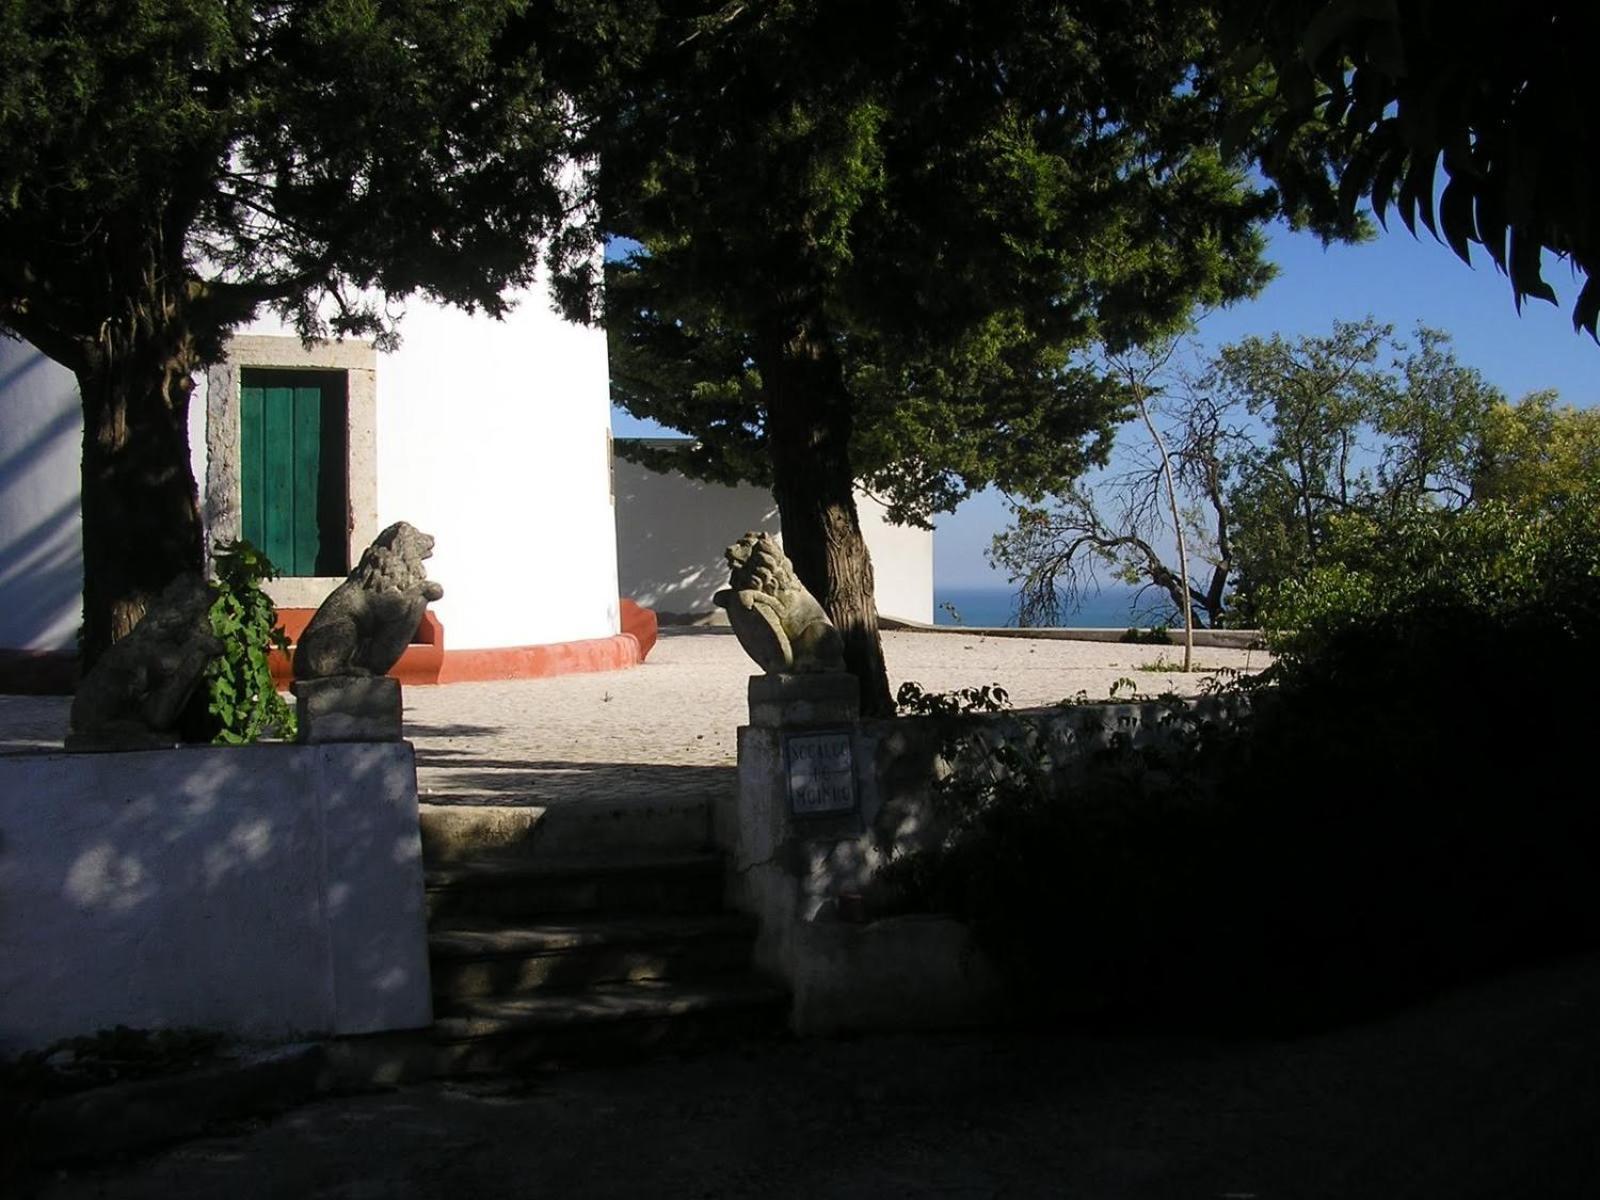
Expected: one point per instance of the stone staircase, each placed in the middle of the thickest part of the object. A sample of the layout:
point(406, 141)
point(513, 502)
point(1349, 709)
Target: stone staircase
point(583, 932)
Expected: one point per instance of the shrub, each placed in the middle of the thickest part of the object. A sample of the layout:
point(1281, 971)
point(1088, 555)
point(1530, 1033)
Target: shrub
point(1404, 808)
point(242, 701)
point(912, 701)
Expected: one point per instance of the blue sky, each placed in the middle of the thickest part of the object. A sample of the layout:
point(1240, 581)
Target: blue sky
point(1396, 278)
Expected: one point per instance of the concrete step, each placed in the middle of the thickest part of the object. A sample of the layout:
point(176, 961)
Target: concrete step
point(479, 957)
point(606, 1022)
point(513, 889)
point(463, 831)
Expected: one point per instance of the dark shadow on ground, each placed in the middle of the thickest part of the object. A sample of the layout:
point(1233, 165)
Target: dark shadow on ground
point(1486, 1093)
point(30, 724)
point(443, 778)
point(419, 729)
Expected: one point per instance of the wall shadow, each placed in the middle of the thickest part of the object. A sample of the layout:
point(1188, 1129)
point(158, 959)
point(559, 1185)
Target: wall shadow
point(671, 531)
point(448, 777)
point(41, 558)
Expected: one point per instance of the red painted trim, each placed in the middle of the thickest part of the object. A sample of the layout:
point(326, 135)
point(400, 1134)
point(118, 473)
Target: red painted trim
point(426, 661)
point(38, 672)
point(419, 664)
point(532, 662)
point(642, 623)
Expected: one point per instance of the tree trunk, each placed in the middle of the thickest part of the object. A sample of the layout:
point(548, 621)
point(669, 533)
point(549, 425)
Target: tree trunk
point(141, 511)
point(1187, 604)
point(809, 423)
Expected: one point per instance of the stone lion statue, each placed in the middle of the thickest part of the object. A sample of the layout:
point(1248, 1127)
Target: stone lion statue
point(135, 693)
point(778, 622)
point(365, 625)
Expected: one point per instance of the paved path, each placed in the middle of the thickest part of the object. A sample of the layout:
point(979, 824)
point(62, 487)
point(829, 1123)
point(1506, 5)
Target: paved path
point(1489, 1093)
point(667, 728)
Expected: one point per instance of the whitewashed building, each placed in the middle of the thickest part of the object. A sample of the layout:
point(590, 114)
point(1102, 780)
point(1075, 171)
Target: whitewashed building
point(494, 436)
point(671, 530)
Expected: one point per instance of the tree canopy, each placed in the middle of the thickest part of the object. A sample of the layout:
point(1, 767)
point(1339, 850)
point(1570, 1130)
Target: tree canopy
point(167, 168)
point(877, 238)
point(1280, 449)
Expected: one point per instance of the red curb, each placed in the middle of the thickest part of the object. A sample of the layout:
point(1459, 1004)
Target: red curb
point(426, 661)
point(533, 662)
point(642, 623)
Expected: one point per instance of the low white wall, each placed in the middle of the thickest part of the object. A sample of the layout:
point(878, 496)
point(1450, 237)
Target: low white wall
point(671, 531)
point(41, 544)
point(265, 891)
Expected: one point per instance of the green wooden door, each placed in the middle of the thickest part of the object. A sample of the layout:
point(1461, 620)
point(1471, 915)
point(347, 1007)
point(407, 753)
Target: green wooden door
point(292, 468)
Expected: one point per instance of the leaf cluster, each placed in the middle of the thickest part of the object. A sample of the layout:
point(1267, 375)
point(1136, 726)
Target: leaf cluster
point(1356, 836)
point(1491, 90)
point(242, 698)
point(912, 701)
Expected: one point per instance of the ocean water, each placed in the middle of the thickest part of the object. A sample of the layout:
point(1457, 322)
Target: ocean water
point(1111, 608)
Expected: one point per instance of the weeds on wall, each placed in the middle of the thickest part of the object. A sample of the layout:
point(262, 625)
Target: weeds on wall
point(1082, 857)
point(242, 701)
point(912, 701)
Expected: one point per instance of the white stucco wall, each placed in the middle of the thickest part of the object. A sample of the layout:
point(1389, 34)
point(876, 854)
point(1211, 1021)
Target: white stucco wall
point(671, 531)
point(41, 546)
point(265, 891)
point(492, 436)
point(902, 563)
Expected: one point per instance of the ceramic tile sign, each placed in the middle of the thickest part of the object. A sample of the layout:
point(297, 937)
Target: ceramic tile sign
point(820, 773)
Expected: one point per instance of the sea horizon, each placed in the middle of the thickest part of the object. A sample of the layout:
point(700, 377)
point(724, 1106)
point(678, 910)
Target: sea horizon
point(995, 606)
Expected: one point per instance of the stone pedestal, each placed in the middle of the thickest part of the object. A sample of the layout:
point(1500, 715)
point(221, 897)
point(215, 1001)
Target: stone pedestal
point(807, 867)
point(815, 698)
point(347, 708)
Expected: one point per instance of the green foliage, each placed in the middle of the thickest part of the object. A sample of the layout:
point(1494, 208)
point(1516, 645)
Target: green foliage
point(283, 154)
point(1092, 878)
point(1389, 92)
point(1511, 573)
point(956, 200)
point(1386, 820)
point(1535, 455)
point(242, 698)
point(912, 701)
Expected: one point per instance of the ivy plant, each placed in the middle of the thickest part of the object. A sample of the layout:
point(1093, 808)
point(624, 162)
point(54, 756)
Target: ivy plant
point(242, 700)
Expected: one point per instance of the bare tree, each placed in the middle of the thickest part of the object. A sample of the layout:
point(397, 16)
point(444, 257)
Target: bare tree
point(1176, 482)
